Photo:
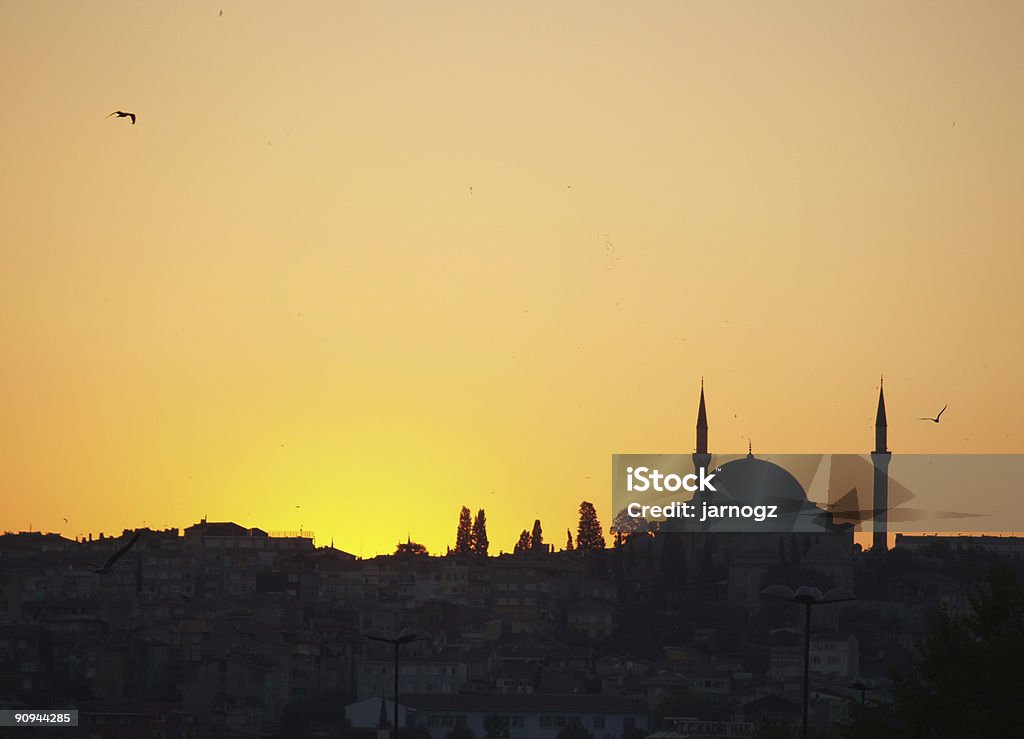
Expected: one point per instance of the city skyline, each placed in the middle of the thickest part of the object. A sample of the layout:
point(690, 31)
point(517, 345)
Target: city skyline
point(357, 265)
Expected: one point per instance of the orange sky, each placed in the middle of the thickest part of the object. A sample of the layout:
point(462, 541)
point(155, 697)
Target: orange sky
point(278, 289)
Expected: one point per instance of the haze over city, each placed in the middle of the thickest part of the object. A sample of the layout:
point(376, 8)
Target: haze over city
point(356, 265)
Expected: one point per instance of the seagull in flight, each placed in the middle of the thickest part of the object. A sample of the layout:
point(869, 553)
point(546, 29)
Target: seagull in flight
point(936, 419)
point(105, 569)
point(123, 114)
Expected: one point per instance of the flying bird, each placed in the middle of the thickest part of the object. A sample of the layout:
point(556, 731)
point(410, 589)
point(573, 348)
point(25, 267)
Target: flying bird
point(105, 569)
point(936, 419)
point(123, 114)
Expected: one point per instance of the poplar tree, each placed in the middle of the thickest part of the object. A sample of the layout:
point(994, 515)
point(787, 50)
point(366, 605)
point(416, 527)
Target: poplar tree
point(537, 536)
point(464, 534)
point(480, 542)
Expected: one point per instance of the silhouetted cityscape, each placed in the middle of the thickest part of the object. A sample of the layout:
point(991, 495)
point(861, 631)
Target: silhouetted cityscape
point(224, 630)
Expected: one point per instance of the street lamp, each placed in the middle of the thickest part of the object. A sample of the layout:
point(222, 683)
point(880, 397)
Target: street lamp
point(807, 597)
point(405, 636)
point(863, 685)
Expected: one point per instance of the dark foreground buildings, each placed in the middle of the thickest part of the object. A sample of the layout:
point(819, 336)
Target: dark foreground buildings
point(221, 630)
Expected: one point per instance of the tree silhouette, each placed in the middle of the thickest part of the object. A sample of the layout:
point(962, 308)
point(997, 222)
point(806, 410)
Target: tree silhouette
point(536, 536)
point(568, 540)
point(524, 542)
point(623, 523)
point(970, 673)
point(589, 537)
point(479, 540)
point(464, 533)
point(410, 547)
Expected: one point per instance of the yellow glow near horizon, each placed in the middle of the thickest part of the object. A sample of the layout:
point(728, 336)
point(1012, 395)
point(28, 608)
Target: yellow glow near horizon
point(382, 260)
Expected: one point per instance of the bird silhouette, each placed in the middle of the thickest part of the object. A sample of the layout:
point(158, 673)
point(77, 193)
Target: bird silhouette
point(123, 114)
point(936, 419)
point(105, 569)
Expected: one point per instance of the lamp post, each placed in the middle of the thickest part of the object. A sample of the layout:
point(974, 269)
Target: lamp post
point(405, 636)
point(807, 597)
point(863, 685)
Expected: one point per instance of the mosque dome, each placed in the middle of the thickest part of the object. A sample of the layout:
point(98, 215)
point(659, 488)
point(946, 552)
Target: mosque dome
point(753, 481)
point(755, 495)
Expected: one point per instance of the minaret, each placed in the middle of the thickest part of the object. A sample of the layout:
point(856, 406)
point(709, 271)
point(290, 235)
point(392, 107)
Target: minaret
point(880, 457)
point(701, 458)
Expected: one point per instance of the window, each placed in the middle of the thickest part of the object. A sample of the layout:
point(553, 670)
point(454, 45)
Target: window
point(598, 722)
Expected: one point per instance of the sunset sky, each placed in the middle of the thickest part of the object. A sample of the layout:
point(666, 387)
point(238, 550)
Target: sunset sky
point(379, 260)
